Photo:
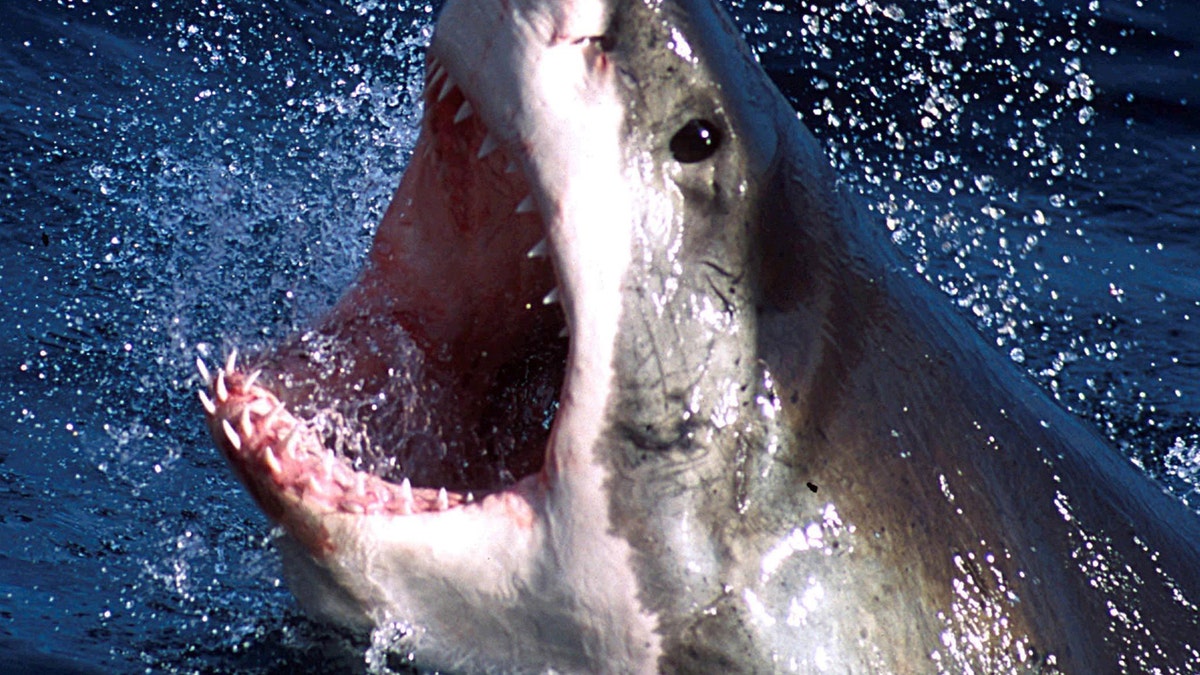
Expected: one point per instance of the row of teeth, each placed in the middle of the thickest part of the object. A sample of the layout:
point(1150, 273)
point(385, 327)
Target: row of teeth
point(465, 111)
point(332, 470)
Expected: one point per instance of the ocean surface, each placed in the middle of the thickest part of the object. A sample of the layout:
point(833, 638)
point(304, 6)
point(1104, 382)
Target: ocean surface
point(177, 178)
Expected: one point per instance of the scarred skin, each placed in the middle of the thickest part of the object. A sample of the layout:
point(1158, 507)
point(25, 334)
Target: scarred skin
point(597, 404)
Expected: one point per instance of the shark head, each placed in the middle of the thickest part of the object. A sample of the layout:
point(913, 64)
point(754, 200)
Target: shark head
point(627, 384)
point(515, 432)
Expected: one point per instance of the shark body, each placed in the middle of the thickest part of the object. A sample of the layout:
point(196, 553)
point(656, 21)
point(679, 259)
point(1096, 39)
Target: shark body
point(628, 384)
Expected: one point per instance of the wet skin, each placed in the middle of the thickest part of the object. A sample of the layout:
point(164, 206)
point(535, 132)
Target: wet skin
point(629, 384)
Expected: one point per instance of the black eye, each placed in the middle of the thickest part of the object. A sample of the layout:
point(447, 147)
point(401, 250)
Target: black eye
point(695, 142)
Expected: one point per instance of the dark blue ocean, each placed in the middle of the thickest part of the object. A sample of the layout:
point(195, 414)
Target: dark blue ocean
point(180, 177)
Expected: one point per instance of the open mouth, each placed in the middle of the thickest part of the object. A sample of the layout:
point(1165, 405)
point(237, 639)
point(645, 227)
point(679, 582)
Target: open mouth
point(434, 382)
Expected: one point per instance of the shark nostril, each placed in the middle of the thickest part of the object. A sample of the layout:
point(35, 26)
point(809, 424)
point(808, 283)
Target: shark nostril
point(698, 140)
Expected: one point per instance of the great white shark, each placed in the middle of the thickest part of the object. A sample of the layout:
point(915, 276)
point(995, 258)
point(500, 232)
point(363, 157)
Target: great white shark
point(628, 383)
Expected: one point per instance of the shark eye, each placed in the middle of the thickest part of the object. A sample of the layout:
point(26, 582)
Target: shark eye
point(695, 142)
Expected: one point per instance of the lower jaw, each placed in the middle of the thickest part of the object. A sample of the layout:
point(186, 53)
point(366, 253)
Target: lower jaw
point(304, 486)
point(437, 424)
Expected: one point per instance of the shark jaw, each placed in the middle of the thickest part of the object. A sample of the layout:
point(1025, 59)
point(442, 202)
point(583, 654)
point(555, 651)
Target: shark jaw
point(510, 231)
point(733, 336)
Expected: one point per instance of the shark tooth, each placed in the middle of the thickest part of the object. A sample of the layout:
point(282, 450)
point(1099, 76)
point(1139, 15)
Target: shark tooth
point(311, 484)
point(291, 443)
point(464, 111)
point(488, 146)
point(272, 415)
point(220, 388)
point(251, 380)
point(539, 250)
point(272, 461)
point(231, 435)
point(209, 406)
point(244, 424)
point(447, 87)
point(406, 497)
point(204, 374)
point(327, 466)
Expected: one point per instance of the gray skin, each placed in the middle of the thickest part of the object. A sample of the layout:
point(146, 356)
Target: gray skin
point(780, 454)
point(886, 407)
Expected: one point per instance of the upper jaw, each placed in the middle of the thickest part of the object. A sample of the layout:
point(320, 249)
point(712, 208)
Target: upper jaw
point(550, 97)
point(537, 547)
